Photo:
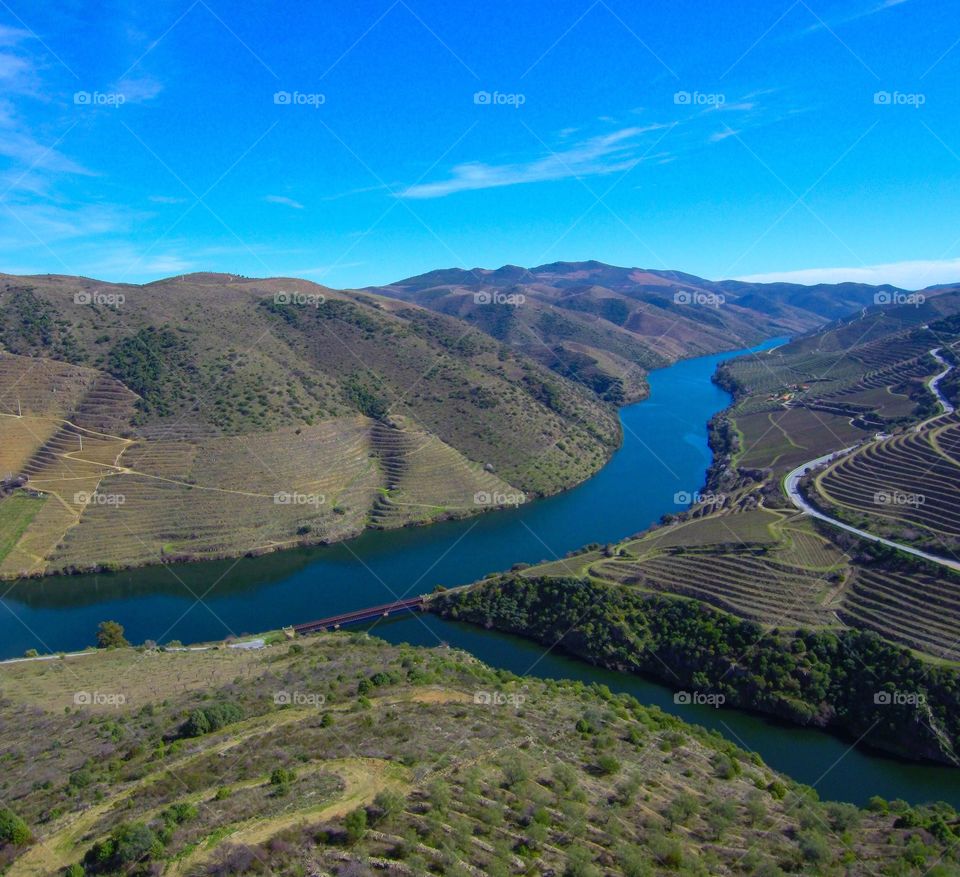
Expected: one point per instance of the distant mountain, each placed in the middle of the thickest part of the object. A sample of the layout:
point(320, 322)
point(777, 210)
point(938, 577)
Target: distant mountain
point(605, 326)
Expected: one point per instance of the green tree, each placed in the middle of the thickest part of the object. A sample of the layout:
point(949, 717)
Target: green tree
point(356, 824)
point(110, 636)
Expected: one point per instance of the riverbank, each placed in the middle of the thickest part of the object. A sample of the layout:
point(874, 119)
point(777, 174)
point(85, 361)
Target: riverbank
point(852, 682)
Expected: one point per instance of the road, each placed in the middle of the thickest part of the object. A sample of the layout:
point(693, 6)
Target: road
point(791, 484)
point(934, 383)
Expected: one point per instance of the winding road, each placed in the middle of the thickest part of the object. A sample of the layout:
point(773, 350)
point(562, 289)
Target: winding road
point(791, 483)
point(934, 383)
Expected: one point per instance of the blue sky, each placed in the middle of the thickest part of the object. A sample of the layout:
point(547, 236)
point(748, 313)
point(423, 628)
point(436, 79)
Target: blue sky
point(360, 142)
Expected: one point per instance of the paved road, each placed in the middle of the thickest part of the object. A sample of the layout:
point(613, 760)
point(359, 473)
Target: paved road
point(792, 481)
point(934, 383)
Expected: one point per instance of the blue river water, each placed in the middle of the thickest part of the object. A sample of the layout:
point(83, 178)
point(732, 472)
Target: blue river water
point(662, 461)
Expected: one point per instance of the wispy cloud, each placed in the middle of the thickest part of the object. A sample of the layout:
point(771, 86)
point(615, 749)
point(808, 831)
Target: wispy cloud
point(906, 275)
point(717, 136)
point(166, 199)
point(284, 200)
point(606, 154)
point(824, 24)
point(139, 90)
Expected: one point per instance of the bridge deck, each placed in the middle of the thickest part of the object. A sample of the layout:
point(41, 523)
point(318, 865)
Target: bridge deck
point(358, 615)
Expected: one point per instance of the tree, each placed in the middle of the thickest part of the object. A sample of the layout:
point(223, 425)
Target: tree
point(356, 824)
point(110, 636)
point(13, 830)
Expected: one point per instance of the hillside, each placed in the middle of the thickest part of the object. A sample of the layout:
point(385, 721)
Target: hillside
point(338, 754)
point(606, 326)
point(742, 593)
point(211, 415)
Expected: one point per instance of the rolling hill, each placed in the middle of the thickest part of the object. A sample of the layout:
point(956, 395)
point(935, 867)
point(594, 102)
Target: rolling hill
point(211, 415)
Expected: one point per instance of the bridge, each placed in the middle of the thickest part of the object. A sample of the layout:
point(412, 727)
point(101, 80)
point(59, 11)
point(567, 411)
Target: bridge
point(335, 622)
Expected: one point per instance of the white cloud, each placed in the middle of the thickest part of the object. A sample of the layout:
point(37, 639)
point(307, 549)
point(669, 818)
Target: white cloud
point(284, 200)
point(906, 275)
point(605, 154)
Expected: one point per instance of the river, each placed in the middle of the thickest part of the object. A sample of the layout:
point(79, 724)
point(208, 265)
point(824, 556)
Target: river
point(664, 456)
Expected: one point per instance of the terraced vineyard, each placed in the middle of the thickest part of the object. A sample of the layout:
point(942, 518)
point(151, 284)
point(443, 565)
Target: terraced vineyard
point(403, 760)
point(116, 501)
point(785, 437)
point(918, 608)
point(757, 564)
point(777, 569)
point(830, 391)
point(427, 478)
point(906, 485)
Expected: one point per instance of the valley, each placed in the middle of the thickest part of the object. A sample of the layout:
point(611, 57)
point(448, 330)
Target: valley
point(783, 606)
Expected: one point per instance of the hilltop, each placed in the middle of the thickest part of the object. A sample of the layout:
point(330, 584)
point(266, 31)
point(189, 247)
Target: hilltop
point(339, 754)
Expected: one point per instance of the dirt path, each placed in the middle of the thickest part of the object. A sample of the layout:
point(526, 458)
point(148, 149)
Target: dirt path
point(364, 779)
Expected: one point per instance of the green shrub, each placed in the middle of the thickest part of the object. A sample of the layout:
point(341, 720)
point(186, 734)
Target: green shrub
point(13, 830)
point(608, 765)
point(128, 844)
point(110, 635)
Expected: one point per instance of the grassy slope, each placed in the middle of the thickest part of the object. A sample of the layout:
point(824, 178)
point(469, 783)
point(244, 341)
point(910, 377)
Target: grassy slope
point(16, 513)
point(214, 355)
point(557, 776)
